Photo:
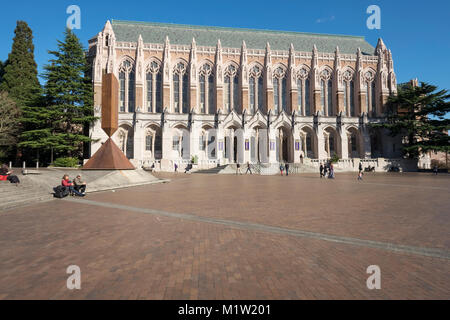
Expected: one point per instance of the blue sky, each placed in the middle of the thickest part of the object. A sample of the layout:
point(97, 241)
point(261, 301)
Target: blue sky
point(417, 32)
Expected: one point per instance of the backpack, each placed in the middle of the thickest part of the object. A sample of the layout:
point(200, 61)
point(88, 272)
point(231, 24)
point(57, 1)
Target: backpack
point(60, 192)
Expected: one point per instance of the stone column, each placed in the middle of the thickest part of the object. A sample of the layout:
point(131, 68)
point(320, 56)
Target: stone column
point(166, 147)
point(321, 153)
point(366, 149)
point(296, 138)
point(138, 147)
point(344, 144)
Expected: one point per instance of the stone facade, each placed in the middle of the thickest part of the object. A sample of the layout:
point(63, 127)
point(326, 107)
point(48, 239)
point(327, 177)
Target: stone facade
point(236, 104)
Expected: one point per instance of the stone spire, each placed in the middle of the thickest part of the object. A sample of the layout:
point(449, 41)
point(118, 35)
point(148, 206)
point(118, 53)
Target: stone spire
point(218, 52)
point(291, 62)
point(193, 54)
point(268, 57)
point(243, 75)
point(166, 62)
point(139, 59)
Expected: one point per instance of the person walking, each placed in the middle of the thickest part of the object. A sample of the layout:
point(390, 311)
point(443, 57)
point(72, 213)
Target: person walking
point(325, 170)
point(249, 169)
point(360, 174)
point(331, 174)
point(238, 168)
point(360, 167)
point(286, 166)
point(435, 170)
point(321, 170)
point(281, 168)
point(176, 167)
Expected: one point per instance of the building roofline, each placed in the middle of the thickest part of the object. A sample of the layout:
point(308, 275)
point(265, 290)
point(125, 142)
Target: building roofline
point(197, 27)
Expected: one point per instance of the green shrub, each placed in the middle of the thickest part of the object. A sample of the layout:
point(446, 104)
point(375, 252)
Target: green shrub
point(66, 162)
point(334, 158)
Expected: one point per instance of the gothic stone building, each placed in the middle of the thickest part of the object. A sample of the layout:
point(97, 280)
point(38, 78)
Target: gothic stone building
point(226, 95)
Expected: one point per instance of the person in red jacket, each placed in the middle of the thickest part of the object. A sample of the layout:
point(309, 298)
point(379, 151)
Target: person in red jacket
point(68, 184)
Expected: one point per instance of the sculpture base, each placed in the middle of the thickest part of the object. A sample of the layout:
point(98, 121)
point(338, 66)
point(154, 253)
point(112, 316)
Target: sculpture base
point(108, 157)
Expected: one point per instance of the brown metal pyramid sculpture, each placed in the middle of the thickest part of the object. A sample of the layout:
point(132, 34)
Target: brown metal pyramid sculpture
point(109, 156)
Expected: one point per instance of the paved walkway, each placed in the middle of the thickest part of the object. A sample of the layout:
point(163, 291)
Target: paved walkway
point(236, 237)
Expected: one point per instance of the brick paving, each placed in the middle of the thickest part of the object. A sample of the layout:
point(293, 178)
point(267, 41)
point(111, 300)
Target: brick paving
point(128, 254)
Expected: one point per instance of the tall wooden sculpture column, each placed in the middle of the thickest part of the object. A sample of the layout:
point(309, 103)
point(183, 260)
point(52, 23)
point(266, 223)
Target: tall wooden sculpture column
point(109, 156)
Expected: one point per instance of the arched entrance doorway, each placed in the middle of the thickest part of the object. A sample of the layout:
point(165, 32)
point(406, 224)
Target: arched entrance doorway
point(332, 142)
point(309, 142)
point(354, 143)
point(285, 145)
point(124, 138)
point(376, 146)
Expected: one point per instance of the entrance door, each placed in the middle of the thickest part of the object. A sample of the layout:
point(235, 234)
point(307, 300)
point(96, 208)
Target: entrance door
point(285, 150)
point(235, 149)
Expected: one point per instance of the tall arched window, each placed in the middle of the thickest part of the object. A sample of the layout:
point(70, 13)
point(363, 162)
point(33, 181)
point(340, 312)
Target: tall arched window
point(226, 94)
point(256, 89)
point(307, 98)
point(303, 92)
point(374, 101)
point(252, 91)
point(326, 92)
point(153, 84)
point(322, 95)
point(180, 88)
point(131, 92)
point(122, 91)
point(127, 88)
point(206, 83)
point(279, 90)
point(330, 98)
point(352, 99)
point(176, 92)
point(346, 88)
point(300, 89)
point(231, 89)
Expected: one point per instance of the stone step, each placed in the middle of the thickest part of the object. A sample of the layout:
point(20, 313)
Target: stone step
point(214, 170)
point(29, 195)
point(24, 202)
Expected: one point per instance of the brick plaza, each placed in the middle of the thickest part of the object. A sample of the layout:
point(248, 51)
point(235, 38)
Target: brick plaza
point(235, 237)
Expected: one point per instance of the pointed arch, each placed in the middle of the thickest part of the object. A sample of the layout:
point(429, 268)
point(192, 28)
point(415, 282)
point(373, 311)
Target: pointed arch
point(280, 92)
point(206, 90)
point(256, 87)
point(153, 85)
point(126, 75)
point(302, 76)
point(231, 87)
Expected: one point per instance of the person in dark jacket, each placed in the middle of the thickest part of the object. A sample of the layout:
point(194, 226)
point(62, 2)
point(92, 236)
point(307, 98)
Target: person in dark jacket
point(286, 166)
point(249, 168)
point(79, 184)
point(321, 170)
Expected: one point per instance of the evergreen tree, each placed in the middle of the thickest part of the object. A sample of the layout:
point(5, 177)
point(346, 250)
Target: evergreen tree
point(9, 115)
point(67, 106)
point(2, 65)
point(20, 71)
point(419, 114)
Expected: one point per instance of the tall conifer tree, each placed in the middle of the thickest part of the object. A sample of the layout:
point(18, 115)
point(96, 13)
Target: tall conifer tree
point(68, 102)
point(419, 114)
point(20, 70)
